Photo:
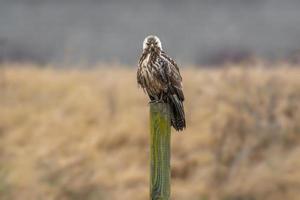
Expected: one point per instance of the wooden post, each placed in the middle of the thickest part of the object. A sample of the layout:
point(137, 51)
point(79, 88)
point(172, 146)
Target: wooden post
point(160, 174)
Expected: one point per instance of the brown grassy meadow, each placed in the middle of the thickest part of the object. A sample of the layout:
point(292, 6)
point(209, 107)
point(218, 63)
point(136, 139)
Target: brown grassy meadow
point(74, 134)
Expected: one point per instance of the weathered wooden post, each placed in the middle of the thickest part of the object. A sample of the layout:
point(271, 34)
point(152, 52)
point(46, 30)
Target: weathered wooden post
point(160, 136)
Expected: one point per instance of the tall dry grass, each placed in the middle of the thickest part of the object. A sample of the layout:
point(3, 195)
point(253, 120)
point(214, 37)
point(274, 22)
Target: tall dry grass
point(83, 134)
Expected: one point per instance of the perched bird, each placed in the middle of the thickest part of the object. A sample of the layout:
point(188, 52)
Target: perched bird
point(160, 78)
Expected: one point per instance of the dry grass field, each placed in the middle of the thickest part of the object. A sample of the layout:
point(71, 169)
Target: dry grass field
point(75, 134)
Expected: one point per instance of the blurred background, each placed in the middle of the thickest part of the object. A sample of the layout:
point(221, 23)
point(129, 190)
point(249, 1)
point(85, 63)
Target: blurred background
point(197, 32)
point(75, 126)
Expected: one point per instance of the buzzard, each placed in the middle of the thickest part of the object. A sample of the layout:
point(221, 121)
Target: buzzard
point(159, 76)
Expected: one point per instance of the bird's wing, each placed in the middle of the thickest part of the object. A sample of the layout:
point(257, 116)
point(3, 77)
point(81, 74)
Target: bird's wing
point(174, 77)
point(139, 77)
point(164, 55)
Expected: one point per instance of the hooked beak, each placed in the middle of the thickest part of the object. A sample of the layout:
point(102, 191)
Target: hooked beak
point(152, 47)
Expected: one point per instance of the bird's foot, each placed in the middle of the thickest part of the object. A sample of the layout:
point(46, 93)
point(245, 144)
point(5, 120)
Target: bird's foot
point(156, 101)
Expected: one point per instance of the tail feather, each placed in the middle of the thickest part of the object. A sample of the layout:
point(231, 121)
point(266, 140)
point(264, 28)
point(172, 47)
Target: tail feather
point(177, 113)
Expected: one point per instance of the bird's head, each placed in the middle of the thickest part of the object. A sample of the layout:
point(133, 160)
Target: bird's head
point(152, 44)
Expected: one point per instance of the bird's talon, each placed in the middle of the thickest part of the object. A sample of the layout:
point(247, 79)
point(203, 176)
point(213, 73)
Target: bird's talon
point(156, 101)
point(152, 101)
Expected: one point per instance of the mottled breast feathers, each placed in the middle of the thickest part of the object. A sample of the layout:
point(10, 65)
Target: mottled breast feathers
point(159, 73)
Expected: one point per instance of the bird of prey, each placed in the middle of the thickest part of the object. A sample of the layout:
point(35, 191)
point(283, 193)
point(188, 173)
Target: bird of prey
point(159, 76)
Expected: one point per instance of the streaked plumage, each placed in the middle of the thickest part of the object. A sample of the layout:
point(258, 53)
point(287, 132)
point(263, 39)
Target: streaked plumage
point(160, 78)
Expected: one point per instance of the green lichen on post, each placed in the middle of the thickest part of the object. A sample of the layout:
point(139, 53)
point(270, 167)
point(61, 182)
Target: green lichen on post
point(160, 151)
